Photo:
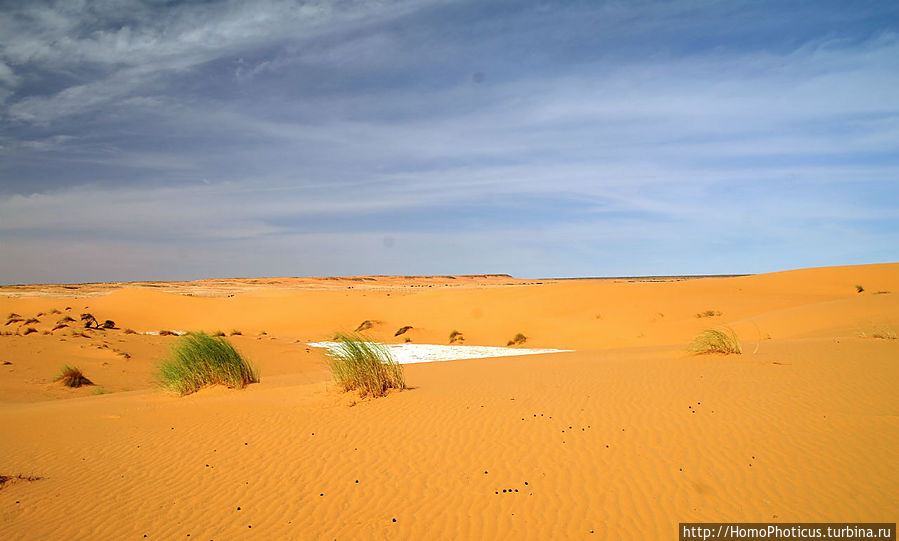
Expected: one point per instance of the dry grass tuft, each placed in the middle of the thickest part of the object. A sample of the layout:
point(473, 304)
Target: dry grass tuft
point(365, 325)
point(71, 376)
point(235, 332)
point(29, 330)
point(713, 341)
point(64, 320)
point(402, 330)
point(130, 331)
point(882, 331)
point(4, 479)
point(166, 332)
point(709, 313)
point(518, 340)
point(456, 336)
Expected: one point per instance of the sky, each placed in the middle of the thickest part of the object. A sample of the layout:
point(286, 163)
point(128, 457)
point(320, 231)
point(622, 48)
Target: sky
point(169, 140)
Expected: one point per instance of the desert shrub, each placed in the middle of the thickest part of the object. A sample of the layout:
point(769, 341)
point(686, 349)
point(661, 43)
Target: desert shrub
point(12, 320)
point(859, 288)
point(130, 331)
point(364, 326)
point(713, 341)
point(519, 339)
point(402, 330)
point(61, 326)
point(71, 376)
point(108, 324)
point(12, 315)
point(89, 320)
point(55, 311)
point(31, 320)
point(218, 333)
point(29, 330)
point(198, 359)
point(456, 336)
point(64, 320)
point(235, 332)
point(366, 366)
point(709, 313)
point(165, 332)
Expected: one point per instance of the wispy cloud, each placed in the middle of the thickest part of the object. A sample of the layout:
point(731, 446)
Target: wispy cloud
point(591, 136)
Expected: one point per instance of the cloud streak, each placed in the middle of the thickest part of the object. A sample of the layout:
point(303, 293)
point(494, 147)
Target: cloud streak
point(592, 137)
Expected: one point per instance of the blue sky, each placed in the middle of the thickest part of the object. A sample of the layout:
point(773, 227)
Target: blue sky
point(181, 140)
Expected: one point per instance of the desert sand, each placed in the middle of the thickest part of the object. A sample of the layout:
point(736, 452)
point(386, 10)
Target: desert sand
point(621, 438)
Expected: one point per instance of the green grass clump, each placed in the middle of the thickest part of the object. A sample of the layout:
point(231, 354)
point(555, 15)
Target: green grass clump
point(71, 376)
point(197, 360)
point(712, 341)
point(359, 364)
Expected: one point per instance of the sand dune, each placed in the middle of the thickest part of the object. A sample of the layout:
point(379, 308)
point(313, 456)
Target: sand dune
point(621, 439)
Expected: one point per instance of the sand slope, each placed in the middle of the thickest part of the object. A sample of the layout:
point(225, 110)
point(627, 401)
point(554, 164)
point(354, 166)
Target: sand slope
point(625, 437)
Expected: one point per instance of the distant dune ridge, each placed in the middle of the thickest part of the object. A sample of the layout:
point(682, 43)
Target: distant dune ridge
point(623, 437)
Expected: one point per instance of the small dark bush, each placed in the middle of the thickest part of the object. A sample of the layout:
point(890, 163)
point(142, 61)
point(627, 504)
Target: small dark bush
point(518, 340)
point(71, 376)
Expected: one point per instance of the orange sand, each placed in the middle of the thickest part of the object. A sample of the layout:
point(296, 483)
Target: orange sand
point(625, 437)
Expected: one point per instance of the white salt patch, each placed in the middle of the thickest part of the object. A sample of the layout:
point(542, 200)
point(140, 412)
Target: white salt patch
point(428, 353)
